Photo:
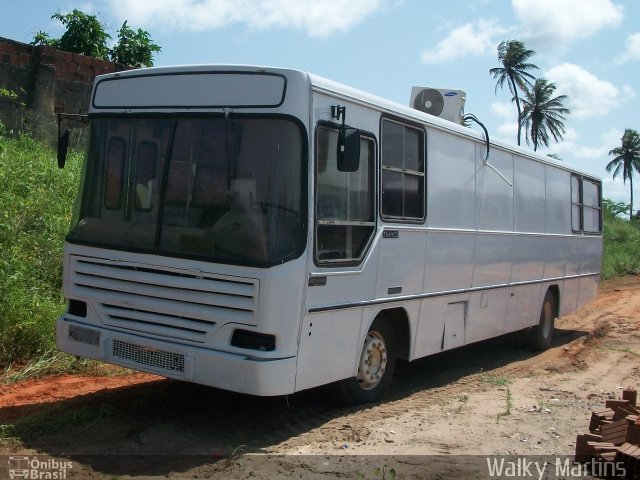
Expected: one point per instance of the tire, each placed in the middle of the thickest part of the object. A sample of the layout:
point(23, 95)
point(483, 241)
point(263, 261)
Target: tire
point(540, 337)
point(375, 366)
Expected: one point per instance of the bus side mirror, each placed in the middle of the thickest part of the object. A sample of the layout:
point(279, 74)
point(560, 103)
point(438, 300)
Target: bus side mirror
point(348, 150)
point(63, 148)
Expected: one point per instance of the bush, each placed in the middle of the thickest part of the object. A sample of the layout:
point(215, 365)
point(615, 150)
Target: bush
point(36, 201)
point(621, 252)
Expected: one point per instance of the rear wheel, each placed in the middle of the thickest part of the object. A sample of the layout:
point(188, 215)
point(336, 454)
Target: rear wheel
point(375, 366)
point(541, 336)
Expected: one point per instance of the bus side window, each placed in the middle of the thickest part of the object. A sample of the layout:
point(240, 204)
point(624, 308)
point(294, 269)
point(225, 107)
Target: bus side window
point(403, 171)
point(344, 210)
point(586, 205)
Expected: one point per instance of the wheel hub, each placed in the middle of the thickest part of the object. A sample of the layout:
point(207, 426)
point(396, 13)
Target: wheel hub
point(373, 361)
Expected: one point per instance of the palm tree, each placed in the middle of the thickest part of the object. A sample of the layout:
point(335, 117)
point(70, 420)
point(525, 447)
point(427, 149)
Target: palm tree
point(543, 114)
point(514, 71)
point(626, 160)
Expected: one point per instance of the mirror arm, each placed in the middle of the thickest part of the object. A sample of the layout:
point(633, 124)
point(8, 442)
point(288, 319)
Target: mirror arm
point(337, 112)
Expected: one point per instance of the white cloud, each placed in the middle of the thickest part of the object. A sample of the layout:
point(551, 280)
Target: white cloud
point(560, 22)
point(572, 146)
point(570, 135)
point(508, 132)
point(318, 18)
point(588, 95)
point(470, 39)
point(506, 112)
point(616, 190)
point(632, 51)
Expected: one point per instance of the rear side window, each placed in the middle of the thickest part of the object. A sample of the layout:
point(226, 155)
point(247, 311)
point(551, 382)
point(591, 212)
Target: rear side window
point(403, 171)
point(586, 205)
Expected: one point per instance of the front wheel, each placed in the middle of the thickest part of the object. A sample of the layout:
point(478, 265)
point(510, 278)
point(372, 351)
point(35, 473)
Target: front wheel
point(541, 336)
point(375, 366)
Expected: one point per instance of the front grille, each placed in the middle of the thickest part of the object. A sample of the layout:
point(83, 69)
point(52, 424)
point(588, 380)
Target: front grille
point(164, 302)
point(150, 357)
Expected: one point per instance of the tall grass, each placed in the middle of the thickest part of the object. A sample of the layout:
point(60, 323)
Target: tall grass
point(621, 253)
point(36, 200)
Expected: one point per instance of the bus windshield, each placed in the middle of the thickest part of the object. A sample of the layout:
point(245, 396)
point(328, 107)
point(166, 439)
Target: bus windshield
point(227, 190)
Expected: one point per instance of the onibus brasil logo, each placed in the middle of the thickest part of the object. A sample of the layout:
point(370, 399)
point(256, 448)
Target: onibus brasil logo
point(38, 469)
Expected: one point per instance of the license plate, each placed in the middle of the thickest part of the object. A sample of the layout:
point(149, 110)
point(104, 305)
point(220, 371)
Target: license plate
point(84, 335)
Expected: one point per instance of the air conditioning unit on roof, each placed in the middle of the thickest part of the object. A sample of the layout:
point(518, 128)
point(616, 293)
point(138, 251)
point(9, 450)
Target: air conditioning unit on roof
point(446, 104)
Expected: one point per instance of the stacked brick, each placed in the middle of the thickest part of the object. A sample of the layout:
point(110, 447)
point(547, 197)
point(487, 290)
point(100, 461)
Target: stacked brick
point(67, 66)
point(614, 435)
point(47, 81)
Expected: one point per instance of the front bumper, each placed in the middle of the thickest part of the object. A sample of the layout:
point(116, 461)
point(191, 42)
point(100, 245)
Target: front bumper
point(228, 371)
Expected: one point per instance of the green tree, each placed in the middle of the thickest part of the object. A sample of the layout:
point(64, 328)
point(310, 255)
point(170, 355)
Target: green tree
point(84, 35)
point(543, 114)
point(87, 36)
point(43, 38)
point(626, 160)
point(134, 48)
point(514, 71)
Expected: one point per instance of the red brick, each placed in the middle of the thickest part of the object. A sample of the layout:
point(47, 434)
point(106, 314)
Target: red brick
point(613, 403)
point(46, 50)
point(633, 435)
point(85, 69)
point(597, 417)
point(584, 452)
point(46, 59)
point(614, 432)
point(622, 411)
point(6, 47)
point(631, 395)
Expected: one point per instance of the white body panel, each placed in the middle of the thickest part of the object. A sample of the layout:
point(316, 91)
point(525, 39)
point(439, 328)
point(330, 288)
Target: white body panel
point(477, 266)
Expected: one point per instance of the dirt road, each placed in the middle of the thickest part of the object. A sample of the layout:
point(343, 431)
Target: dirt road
point(494, 398)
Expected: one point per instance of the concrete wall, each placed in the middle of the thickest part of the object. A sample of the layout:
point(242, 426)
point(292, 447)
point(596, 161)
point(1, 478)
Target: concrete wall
point(47, 81)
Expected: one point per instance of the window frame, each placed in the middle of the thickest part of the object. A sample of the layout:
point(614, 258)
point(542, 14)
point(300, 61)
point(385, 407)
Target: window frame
point(576, 204)
point(581, 206)
point(422, 150)
point(368, 136)
point(85, 197)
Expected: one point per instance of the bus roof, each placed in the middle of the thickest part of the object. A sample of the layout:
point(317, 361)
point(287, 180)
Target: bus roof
point(323, 85)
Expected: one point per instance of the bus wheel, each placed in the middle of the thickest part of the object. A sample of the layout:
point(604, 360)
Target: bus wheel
point(541, 336)
point(375, 366)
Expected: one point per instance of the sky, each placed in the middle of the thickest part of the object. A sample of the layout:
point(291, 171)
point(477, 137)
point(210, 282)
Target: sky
point(590, 49)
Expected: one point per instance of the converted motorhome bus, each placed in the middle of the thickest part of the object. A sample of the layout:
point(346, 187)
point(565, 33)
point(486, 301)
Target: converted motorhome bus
point(266, 231)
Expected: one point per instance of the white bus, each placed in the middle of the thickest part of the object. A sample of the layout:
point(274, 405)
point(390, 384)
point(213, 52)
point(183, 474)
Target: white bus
point(267, 231)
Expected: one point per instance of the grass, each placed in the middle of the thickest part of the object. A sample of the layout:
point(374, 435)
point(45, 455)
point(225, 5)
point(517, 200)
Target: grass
point(621, 251)
point(54, 362)
point(542, 404)
point(508, 406)
point(496, 380)
point(463, 400)
point(36, 200)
